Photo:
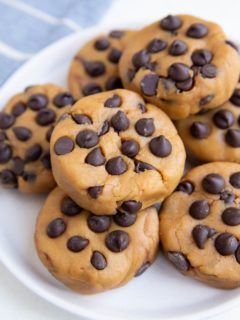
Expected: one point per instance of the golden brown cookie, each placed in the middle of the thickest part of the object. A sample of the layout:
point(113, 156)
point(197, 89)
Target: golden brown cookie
point(116, 152)
point(95, 66)
point(91, 253)
point(26, 124)
point(200, 224)
point(181, 64)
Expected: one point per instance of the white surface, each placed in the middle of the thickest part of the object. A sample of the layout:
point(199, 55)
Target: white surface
point(16, 230)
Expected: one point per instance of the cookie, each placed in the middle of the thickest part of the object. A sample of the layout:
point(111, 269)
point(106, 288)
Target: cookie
point(26, 124)
point(95, 66)
point(200, 224)
point(91, 253)
point(181, 64)
point(214, 135)
point(114, 152)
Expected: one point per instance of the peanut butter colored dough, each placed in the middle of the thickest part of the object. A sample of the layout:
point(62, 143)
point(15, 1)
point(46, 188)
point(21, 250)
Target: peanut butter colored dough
point(82, 258)
point(115, 152)
point(199, 224)
point(26, 123)
point(181, 64)
point(95, 66)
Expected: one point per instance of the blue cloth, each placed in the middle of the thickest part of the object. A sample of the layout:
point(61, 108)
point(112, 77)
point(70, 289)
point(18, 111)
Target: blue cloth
point(27, 26)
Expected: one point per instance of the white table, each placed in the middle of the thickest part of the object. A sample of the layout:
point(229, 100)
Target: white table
point(17, 302)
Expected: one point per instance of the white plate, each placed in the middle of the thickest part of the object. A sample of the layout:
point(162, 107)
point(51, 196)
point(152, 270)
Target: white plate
point(160, 293)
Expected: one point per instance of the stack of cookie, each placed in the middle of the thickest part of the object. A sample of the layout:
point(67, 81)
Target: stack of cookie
point(115, 153)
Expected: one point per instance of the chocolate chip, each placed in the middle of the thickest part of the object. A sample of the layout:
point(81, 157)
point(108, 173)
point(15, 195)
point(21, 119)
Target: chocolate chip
point(114, 83)
point(226, 244)
point(149, 84)
point(69, 207)
point(142, 269)
point(114, 55)
point(131, 74)
point(227, 196)
point(95, 158)
point(185, 85)
point(199, 130)
point(235, 98)
point(49, 134)
point(87, 139)
point(177, 48)
point(102, 44)
point(56, 228)
point(185, 187)
point(233, 45)
point(33, 153)
point(63, 99)
point(45, 117)
point(213, 183)
point(94, 68)
point(231, 216)
point(179, 72)
point(171, 23)
point(237, 254)
point(125, 219)
point(197, 31)
point(223, 119)
point(29, 176)
point(200, 235)
point(104, 129)
point(131, 206)
point(3, 136)
point(117, 240)
point(203, 111)
point(145, 127)
point(99, 224)
point(116, 166)
point(90, 89)
point(156, 45)
point(142, 107)
point(201, 57)
point(141, 166)
point(160, 146)
point(22, 133)
point(114, 102)
point(77, 243)
point(5, 153)
point(81, 119)
point(95, 192)
point(63, 146)
point(17, 166)
point(18, 109)
point(37, 101)
point(179, 260)
point(98, 260)
point(206, 100)
point(140, 59)
point(232, 137)
point(235, 180)
point(46, 160)
point(116, 34)
point(209, 71)
point(6, 120)
point(130, 148)
point(199, 209)
point(8, 178)
point(120, 121)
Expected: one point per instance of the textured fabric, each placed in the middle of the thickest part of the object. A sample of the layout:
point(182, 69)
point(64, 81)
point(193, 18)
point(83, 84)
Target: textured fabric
point(28, 26)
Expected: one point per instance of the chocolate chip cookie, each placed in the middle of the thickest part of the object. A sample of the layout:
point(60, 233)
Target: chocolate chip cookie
point(95, 66)
point(114, 152)
point(91, 253)
point(200, 224)
point(181, 64)
point(214, 135)
point(26, 124)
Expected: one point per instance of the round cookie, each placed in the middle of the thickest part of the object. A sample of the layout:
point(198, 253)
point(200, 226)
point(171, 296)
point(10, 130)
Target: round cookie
point(214, 135)
point(115, 152)
point(95, 66)
point(26, 124)
point(181, 64)
point(200, 224)
point(91, 253)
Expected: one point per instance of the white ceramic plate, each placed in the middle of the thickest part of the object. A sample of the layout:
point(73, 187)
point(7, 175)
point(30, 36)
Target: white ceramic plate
point(160, 293)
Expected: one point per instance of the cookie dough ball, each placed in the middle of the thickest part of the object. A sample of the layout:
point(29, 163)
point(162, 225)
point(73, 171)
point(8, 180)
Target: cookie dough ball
point(26, 124)
point(115, 152)
point(181, 64)
point(95, 66)
point(200, 224)
point(214, 135)
point(91, 253)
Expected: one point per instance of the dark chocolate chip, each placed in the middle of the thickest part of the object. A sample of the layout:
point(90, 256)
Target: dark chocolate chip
point(46, 160)
point(130, 148)
point(179, 260)
point(29, 176)
point(117, 240)
point(91, 88)
point(77, 243)
point(102, 44)
point(116, 34)
point(231, 216)
point(116, 166)
point(185, 187)
point(226, 244)
point(22, 133)
point(17, 166)
point(56, 228)
point(124, 219)
point(63, 99)
point(33, 153)
point(6, 120)
point(18, 109)
point(213, 183)
point(95, 158)
point(95, 192)
point(200, 235)
point(114, 102)
point(156, 45)
point(45, 117)
point(185, 85)
point(237, 254)
point(232, 137)
point(131, 206)
point(160, 146)
point(149, 84)
point(235, 98)
point(232, 44)
point(114, 83)
point(98, 260)
point(177, 48)
point(203, 111)
point(140, 59)
point(3, 136)
point(205, 100)
point(141, 166)
point(235, 180)
point(209, 71)
point(131, 74)
point(37, 101)
point(114, 55)
point(227, 196)
point(8, 178)
point(94, 68)
point(223, 119)
point(87, 139)
point(142, 269)
point(81, 119)
point(171, 23)
point(199, 209)
point(179, 72)
point(49, 134)
point(142, 107)
point(99, 224)
point(63, 146)
point(5, 153)
point(197, 31)
point(199, 130)
point(201, 57)
point(145, 127)
point(69, 207)
point(120, 121)
point(104, 129)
